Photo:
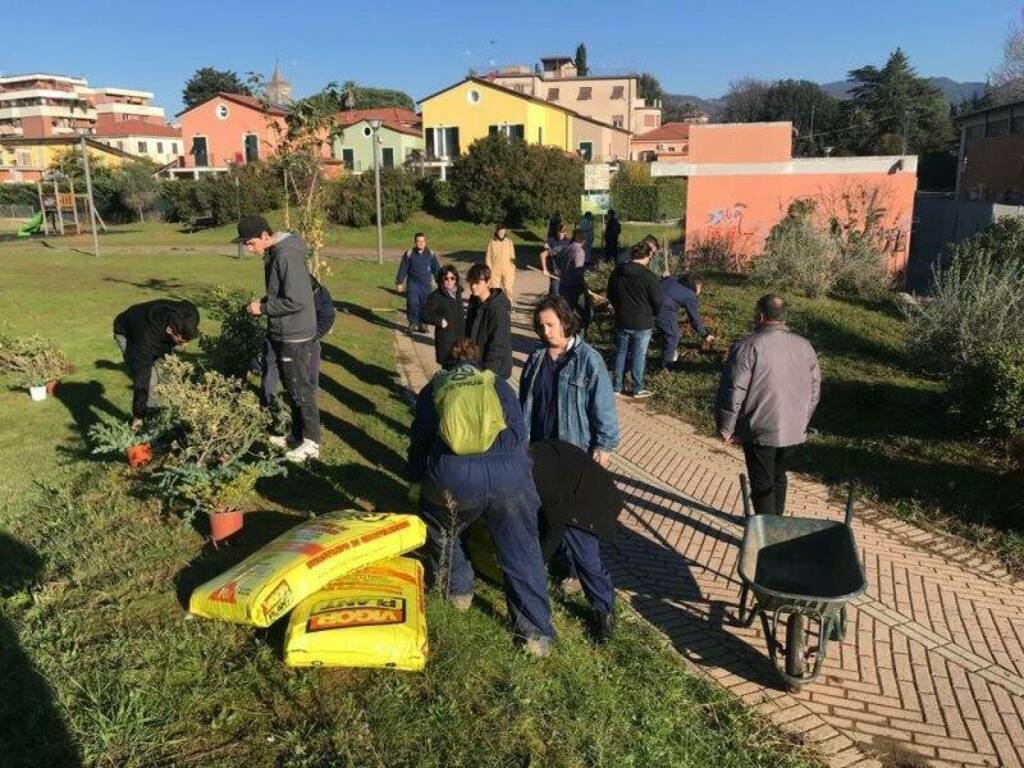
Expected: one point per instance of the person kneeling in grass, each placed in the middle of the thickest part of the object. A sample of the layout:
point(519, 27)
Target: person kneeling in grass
point(145, 333)
point(467, 458)
point(566, 395)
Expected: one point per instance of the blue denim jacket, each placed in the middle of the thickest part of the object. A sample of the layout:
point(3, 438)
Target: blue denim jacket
point(586, 403)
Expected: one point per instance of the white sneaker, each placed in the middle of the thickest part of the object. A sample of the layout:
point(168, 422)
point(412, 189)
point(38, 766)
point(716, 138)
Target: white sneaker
point(307, 450)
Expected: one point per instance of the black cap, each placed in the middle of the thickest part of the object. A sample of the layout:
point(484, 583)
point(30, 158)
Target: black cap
point(250, 226)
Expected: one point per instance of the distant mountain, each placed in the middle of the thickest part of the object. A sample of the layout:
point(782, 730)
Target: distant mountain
point(954, 91)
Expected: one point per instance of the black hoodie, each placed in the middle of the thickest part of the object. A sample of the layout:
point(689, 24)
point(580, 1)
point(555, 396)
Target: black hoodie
point(145, 328)
point(489, 324)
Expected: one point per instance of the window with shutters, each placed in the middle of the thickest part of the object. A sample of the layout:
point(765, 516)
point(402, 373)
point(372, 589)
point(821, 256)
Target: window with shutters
point(618, 121)
point(552, 94)
point(618, 92)
point(584, 94)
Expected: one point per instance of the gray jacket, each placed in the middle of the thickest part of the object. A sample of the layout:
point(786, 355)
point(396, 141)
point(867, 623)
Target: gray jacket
point(769, 388)
point(288, 305)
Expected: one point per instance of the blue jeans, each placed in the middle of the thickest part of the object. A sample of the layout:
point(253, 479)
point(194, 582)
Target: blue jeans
point(634, 344)
point(415, 298)
point(669, 327)
point(511, 518)
point(579, 556)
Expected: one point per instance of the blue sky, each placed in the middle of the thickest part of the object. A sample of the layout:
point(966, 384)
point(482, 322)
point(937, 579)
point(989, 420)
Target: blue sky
point(418, 47)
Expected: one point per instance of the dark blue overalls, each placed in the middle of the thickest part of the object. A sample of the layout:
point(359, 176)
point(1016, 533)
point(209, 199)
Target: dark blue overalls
point(417, 271)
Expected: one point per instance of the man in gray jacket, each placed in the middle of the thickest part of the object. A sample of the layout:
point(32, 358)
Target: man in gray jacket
point(768, 392)
point(291, 327)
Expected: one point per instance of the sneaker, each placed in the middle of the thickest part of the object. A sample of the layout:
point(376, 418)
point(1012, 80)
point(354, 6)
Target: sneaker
point(571, 586)
point(421, 328)
point(642, 393)
point(620, 393)
point(539, 647)
point(675, 357)
point(605, 627)
point(307, 450)
point(283, 442)
point(461, 603)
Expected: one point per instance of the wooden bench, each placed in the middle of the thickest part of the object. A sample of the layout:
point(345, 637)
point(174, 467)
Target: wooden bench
point(200, 221)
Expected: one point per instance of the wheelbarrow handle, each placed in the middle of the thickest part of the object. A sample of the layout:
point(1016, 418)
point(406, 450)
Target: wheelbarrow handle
point(745, 490)
point(849, 503)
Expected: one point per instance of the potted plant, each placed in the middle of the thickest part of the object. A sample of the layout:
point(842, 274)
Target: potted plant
point(220, 447)
point(113, 436)
point(31, 362)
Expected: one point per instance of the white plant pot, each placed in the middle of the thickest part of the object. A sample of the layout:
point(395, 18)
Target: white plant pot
point(38, 393)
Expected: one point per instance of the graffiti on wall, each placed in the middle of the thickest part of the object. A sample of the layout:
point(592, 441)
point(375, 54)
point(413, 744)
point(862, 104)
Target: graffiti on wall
point(725, 225)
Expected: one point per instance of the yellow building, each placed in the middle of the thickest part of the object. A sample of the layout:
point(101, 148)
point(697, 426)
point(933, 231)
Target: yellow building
point(27, 160)
point(473, 108)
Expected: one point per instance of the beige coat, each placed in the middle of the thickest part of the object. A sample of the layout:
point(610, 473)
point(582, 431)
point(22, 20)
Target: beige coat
point(501, 258)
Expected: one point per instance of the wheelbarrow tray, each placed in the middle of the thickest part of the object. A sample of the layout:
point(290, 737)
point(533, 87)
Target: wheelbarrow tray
point(803, 562)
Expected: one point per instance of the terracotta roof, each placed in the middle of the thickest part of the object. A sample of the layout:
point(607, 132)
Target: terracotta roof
point(238, 98)
point(513, 92)
point(135, 128)
point(406, 128)
point(666, 132)
point(396, 115)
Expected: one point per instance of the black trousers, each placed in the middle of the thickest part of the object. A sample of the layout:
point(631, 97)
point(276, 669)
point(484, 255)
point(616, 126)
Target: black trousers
point(766, 469)
point(293, 364)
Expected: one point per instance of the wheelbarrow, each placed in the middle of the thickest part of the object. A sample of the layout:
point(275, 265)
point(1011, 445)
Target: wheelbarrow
point(802, 571)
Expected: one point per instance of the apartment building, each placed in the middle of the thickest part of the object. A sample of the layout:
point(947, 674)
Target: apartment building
point(611, 99)
point(990, 168)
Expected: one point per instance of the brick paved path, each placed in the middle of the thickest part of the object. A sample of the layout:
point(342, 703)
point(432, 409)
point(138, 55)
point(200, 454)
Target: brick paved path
point(932, 669)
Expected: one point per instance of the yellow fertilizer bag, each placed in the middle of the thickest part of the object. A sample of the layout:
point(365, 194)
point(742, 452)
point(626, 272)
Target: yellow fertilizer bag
point(468, 409)
point(271, 581)
point(375, 617)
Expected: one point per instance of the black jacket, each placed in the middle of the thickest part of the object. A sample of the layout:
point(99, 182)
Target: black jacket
point(288, 305)
point(145, 328)
point(489, 324)
point(574, 491)
point(635, 293)
point(440, 306)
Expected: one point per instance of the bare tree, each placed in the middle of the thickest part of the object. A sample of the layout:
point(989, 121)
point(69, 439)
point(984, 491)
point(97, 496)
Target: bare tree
point(1008, 77)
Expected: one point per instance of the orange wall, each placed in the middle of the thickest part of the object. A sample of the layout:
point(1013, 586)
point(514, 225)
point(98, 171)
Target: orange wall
point(741, 142)
point(743, 208)
point(225, 138)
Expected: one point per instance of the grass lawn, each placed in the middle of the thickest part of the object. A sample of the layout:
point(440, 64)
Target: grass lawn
point(452, 239)
point(879, 423)
point(102, 666)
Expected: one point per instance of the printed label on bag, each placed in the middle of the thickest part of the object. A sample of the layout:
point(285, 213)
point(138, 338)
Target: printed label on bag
point(357, 612)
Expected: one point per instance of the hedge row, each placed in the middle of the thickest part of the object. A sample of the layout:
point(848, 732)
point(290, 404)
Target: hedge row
point(658, 200)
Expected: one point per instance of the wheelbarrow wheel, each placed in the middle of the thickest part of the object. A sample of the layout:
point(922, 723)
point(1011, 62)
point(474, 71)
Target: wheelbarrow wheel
point(795, 661)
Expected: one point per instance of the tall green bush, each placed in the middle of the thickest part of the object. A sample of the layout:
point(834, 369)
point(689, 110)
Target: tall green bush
point(352, 199)
point(260, 189)
point(637, 196)
point(989, 389)
point(505, 180)
point(19, 194)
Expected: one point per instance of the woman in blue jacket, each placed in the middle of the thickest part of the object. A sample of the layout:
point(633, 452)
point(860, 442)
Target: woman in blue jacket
point(456, 488)
point(567, 394)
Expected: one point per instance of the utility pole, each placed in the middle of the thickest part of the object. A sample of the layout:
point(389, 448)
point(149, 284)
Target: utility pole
point(375, 126)
point(92, 203)
point(811, 138)
point(906, 120)
point(238, 212)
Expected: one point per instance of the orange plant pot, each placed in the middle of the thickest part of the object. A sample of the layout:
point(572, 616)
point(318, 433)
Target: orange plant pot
point(139, 455)
point(51, 387)
point(224, 523)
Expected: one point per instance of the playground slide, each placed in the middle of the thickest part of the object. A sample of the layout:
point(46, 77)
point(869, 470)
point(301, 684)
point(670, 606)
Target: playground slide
point(31, 226)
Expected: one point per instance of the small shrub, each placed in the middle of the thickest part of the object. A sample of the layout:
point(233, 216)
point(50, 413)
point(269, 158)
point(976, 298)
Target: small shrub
point(240, 340)
point(1002, 240)
point(860, 267)
point(976, 303)
point(221, 449)
point(713, 252)
point(989, 390)
point(31, 361)
point(798, 254)
point(112, 436)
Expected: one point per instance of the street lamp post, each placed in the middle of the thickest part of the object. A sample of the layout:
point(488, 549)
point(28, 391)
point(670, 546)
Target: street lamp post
point(375, 127)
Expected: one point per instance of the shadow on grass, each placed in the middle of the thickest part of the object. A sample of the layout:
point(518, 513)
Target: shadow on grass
point(158, 284)
point(31, 728)
point(881, 409)
point(323, 488)
point(359, 404)
point(370, 316)
point(368, 374)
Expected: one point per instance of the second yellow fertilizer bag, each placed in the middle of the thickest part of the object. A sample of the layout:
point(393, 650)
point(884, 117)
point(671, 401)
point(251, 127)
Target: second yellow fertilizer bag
point(375, 617)
point(273, 580)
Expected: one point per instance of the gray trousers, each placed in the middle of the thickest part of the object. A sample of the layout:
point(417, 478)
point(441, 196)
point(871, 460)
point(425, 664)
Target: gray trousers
point(154, 375)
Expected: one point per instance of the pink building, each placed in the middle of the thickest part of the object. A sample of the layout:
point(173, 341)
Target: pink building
point(227, 128)
point(742, 177)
